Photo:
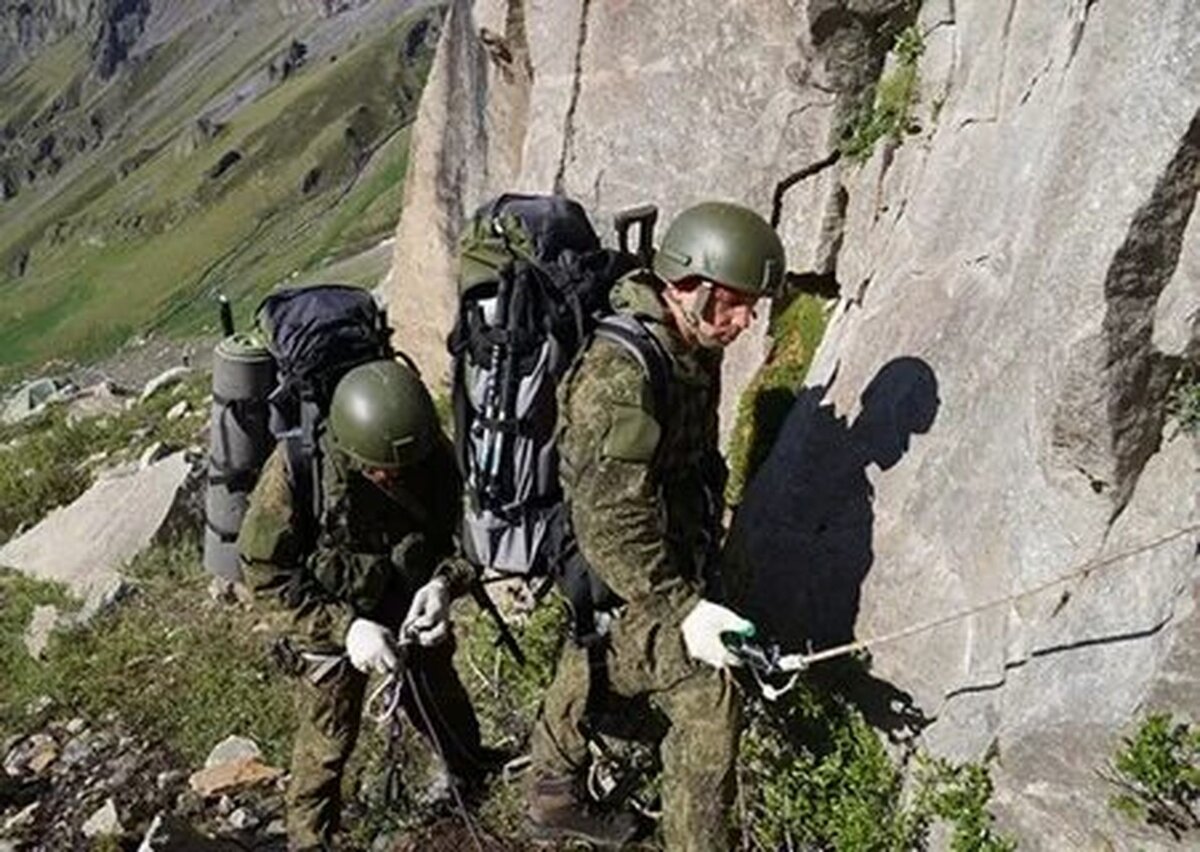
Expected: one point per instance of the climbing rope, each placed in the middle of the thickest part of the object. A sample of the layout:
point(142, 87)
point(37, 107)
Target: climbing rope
point(388, 693)
point(769, 662)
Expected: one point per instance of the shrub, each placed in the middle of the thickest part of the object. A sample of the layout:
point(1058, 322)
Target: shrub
point(815, 774)
point(1158, 771)
point(888, 110)
point(1183, 402)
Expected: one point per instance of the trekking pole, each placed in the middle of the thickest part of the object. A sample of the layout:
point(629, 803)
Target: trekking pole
point(507, 391)
point(488, 464)
point(485, 603)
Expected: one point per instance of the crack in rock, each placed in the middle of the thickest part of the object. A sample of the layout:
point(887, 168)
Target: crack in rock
point(1137, 375)
point(576, 85)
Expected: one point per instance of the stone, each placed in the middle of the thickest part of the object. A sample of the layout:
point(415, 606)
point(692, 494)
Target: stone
point(78, 750)
point(85, 544)
point(43, 759)
point(104, 821)
point(232, 748)
point(42, 622)
point(243, 819)
point(99, 400)
point(985, 412)
point(232, 775)
point(21, 819)
point(163, 380)
point(75, 726)
point(33, 397)
point(40, 749)
point(169, 778)
point(178, 410)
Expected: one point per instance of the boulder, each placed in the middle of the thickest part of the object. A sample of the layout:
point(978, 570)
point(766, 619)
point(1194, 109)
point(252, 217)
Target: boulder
point(85, 544)
point(33, 397)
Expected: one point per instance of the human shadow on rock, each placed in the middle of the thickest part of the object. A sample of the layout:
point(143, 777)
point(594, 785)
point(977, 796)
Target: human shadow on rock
point(801, 543)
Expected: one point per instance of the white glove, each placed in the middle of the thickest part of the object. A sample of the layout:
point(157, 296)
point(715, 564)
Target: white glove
point(702, 629)
point(370, 647)
point(428, 619)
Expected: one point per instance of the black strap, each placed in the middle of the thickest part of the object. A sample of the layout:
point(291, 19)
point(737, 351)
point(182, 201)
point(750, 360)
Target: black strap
point(303, 475)
point(225, 536)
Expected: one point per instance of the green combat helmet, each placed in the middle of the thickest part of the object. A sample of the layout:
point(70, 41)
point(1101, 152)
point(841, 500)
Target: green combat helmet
point(382, 416)
point(726, 243)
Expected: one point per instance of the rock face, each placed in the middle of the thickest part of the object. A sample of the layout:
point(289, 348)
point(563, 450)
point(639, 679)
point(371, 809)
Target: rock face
point(1017, 293)
point(613, 119)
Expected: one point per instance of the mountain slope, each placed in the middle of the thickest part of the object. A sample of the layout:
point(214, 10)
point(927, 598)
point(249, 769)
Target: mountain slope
point(217, 147)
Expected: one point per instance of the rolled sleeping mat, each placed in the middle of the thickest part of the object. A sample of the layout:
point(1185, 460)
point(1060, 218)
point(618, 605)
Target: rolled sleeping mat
point(243, 378)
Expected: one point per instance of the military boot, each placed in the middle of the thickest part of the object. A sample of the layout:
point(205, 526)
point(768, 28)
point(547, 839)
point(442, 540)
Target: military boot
point(558, 807)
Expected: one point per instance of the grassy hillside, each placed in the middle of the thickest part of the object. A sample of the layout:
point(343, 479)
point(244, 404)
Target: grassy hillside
point(217, 171)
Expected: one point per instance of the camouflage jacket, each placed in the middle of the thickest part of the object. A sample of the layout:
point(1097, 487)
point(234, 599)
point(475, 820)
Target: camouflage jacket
point(355, 567)
point(644, 487)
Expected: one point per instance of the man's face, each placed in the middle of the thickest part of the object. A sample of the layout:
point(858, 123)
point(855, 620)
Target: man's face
point(381, 477)
point(725, 314)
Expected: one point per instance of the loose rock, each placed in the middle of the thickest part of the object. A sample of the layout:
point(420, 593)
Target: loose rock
point(232, 748)
point(104, 821)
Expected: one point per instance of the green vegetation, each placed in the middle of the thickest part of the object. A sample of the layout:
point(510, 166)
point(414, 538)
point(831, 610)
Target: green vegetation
point(1158, 771)
point(887, 114)
point(1183, 401)
point(45, 463)
point(146, 239)
point(796, 331)
point(816, 775)
point(168, 662)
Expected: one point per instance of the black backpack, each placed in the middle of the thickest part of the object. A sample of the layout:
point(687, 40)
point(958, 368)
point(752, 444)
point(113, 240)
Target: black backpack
point(316, 335)
point(534, 285)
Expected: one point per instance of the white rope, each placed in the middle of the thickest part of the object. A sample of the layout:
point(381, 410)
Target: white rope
point(799, 662)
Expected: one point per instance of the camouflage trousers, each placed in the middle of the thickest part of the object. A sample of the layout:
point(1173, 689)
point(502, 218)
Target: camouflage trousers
point(655, 693)
point(330, 714)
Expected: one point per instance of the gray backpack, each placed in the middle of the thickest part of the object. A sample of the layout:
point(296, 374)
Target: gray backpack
point(534, 288)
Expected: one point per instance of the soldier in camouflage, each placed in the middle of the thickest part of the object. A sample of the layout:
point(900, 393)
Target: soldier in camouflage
point(378, 565)
point(644, 490)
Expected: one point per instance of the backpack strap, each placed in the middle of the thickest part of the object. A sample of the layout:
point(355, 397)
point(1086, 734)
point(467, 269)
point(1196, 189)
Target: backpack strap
point(304, 476)
point(631, 334)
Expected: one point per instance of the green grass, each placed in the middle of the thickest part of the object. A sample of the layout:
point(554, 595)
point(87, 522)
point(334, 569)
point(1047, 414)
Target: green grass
point(888, 111)
point(796, 332)
point(170, 664)
point(151, 250)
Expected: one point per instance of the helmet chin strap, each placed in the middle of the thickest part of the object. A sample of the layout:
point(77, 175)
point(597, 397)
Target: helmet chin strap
point(694, 313)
